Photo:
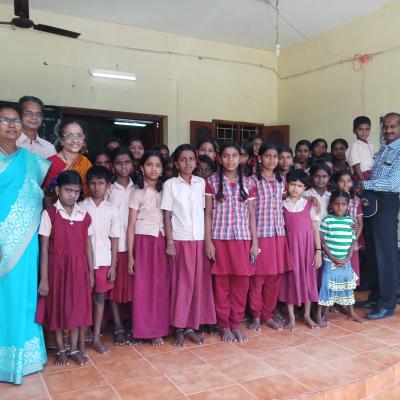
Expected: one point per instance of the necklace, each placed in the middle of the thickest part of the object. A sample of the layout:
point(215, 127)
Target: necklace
point(2, 150)
point(65, 158)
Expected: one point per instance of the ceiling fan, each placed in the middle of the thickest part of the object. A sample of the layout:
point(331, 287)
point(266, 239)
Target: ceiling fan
point(21, 20)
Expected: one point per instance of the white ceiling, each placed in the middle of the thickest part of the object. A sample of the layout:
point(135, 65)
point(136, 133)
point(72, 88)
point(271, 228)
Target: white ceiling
point(249, 23)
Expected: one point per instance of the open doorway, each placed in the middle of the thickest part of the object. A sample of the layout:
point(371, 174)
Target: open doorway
point(102, 125)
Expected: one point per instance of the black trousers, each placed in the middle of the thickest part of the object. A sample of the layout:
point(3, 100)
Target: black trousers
point(382, 251)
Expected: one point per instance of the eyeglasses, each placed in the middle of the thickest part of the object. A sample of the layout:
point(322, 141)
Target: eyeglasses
point(9, 121)
point(33, 114)
point(80, 137)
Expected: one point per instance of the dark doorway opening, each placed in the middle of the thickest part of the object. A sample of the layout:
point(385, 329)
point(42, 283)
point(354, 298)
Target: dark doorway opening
point(102, 125)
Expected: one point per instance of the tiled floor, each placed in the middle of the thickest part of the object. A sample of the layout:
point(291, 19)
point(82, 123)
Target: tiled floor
point(345, 361)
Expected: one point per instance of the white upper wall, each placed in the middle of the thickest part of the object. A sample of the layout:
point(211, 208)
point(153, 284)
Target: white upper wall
point(233, 85)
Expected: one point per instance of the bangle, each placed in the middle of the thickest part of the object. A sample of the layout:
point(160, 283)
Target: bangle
point(318, 249)
point(170, 242)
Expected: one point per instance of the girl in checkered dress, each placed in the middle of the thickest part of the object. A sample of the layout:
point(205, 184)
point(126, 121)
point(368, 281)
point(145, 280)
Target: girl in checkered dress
point(274, 258)
point(231, 240)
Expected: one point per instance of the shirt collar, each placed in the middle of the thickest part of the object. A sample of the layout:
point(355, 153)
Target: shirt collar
point(120, 187)
point(103, 203)
point(76, 210)
point(195, 179)
point(25, 138)
point(394, 145)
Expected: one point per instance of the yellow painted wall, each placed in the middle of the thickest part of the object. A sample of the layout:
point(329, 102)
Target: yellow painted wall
point(183, 88)
point(323, 103)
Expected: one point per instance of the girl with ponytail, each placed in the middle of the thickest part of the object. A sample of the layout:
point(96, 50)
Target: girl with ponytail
point(231, 240)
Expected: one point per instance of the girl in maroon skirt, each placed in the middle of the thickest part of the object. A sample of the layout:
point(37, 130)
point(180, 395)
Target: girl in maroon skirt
point(119, 197)
point(274, 258)
point(192, 301)
point(147, 260)
point(66, 269)
point(299, 286)
point(231, 240)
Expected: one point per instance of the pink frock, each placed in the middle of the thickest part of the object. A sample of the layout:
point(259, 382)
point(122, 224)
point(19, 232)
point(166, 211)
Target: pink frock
point(300, 285)
point(68, 304)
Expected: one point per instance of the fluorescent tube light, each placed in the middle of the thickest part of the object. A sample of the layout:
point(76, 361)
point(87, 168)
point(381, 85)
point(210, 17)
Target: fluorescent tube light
point(101, 73)
point(126, 123)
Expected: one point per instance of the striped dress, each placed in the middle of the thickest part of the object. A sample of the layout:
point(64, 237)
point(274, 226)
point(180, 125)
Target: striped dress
point(338, 282)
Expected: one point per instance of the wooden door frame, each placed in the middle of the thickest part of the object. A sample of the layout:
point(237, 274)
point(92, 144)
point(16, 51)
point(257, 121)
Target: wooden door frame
point(93, 112)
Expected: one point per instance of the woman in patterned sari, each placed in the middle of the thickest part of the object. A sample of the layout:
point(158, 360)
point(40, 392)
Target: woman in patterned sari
point(22, 349)
point(72, 139)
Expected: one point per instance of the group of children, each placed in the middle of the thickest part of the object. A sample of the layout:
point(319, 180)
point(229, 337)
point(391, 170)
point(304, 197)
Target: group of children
point(247, 227)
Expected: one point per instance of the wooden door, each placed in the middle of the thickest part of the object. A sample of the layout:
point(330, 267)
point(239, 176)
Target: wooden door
point(200, 130)
point(278, 134)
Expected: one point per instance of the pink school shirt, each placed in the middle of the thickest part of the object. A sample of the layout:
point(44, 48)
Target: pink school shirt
point(149, 220)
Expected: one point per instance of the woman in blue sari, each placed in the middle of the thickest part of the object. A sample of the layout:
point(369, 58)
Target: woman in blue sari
point(22, 349)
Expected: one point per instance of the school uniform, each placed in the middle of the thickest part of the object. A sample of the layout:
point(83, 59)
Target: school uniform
point(152, 279)
point(119, 196)
point(274, 258)
point(323, 201)
point(360, 152)
point(68, 304)
point(231, 237)
point(106, 225)
point(300, 285)
point(192, 300)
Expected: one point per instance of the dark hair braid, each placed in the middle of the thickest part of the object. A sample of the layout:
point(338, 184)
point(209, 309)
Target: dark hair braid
point(243, 194)
point(220, 197)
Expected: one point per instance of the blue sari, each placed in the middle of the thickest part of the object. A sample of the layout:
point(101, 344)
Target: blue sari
point(22, 349)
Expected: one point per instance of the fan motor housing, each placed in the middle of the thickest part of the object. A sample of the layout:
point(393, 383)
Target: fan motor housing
point(22, 22)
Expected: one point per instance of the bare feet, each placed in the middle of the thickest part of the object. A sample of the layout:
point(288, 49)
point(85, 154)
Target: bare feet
point(157, 341)
point(136, 342)
point(239, 335)
point(353, 316)
point(322, 322)
point(62, 358)
point(77, 356)
point(227, 335)
point(274, 324)
point(309, 322)
point(120, 338)
point(255, 325)
point(179, 338)
point(195, 337)
point(290, 325)
point(100, 347)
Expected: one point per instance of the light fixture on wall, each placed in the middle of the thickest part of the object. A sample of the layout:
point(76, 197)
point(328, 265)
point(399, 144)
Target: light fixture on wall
point(103, 73)
point(131, 122)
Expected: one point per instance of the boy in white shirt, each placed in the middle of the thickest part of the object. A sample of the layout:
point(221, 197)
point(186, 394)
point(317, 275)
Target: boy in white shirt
point(360, 154)
point(105, 221)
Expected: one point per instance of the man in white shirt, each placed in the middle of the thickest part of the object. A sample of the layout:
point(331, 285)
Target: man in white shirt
point(31, 110)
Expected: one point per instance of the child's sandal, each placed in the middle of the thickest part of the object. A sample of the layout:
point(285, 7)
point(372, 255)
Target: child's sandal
point(77, 357)
point(120, 338)
point(62, 358)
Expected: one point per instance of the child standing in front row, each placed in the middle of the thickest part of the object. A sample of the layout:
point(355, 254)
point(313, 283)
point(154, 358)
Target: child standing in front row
point(338, 242)
point(344, 183)
point(192, 301)
point(299, 287)
point(274, 258)
point(231, 240)
point(147, 260)
point(119, 197)
point(66, 269)
point(106, 227)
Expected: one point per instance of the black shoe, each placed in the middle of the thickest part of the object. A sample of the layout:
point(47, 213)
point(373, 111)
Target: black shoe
point(366, 304)
point(380, 313)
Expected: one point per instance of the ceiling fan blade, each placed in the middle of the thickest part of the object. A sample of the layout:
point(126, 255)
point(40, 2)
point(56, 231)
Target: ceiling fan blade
point(56, 31)
point(21, 8)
